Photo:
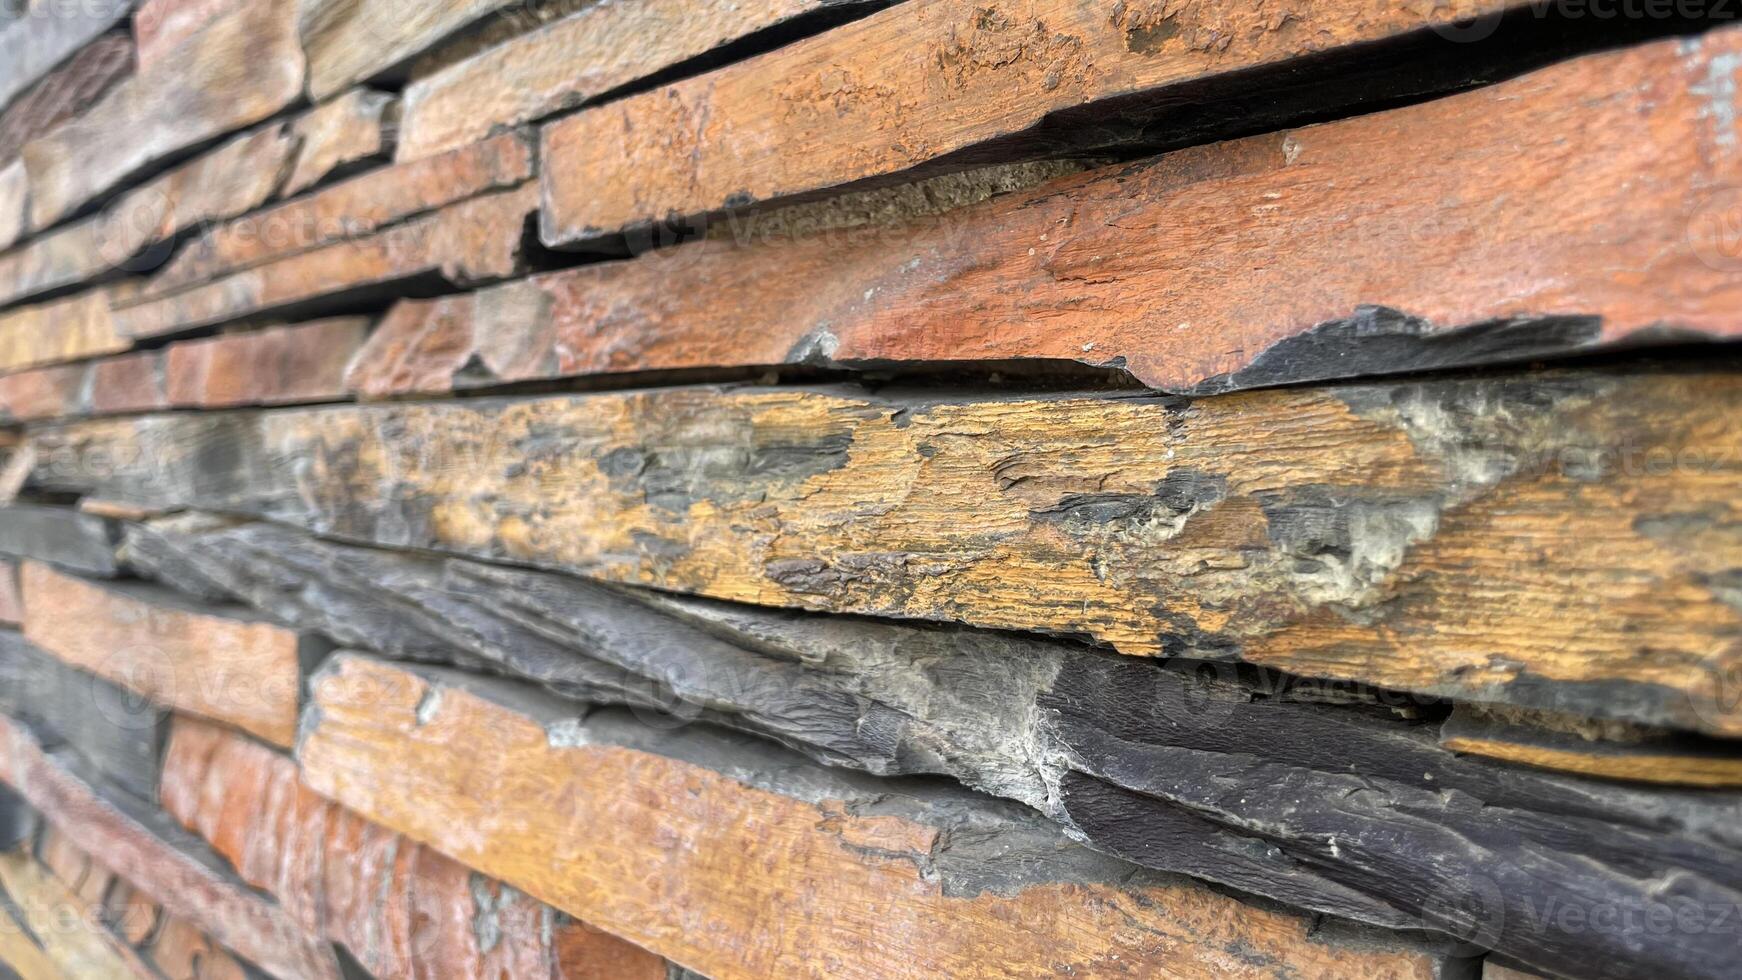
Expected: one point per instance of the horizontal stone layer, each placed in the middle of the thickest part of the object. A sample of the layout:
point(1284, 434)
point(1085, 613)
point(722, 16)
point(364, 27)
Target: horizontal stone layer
point(237, 177)
point(578, 58)
point(217, 663)
point(157, 858)
point(1023, 718)
point(1554, 540)
point(472, 242)
point(1384, 243)
point(402, 909)
point(933, 84)
point(351, 41)
point(239, 69)
point(357, 207)
point(352, 130)
point(898, 881)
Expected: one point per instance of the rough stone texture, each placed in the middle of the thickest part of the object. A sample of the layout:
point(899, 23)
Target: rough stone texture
point(586, 815)
point(59, 535)
point(160, 26)
point(11, 603)
point(1506, 538)
point(47, 33)
point(359, 206)
point(273, 366)
point(45, 393)
point(217, 663)
point(1166, 269)
point(65, 92)
point(475, 241)
point(325, 865)
point(119, 736)
point(14, 201)
point(235, 178)
point(76, 948)
point(69, 329)
point(352, 129)
point(570, 61)
point(1022, 718)
point(300, 363)
point(159, 859)
point(927, 80)
point(1653, 758)
point(351, 41)
point(128, 383)
point(239, 69)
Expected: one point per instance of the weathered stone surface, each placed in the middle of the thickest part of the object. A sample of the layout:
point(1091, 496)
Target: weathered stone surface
point(1506, 538)
point(47, 33)
point(14, 201)
point(584, 813)
point(351, 41)
point(352, 129)
point(218, 663)
point(145, 848)
point(475, 241)
point(160, 26)
point(65, 92)
point(11, 602)
point(326, 867)
point(1018, 718)
point(299, 363)
point(45, 393)
point(570, 61)
point(1164, 268)
point(235, 178)
point(21, 954)
point(59, 535)
point(69, 329)
point(128, 383)
point(181, 949)
point(239, 69)
point(76, 946)
point(119, 736)
point(272, 366)
point(360, 206)
point(941, 83)
point(1649, 757)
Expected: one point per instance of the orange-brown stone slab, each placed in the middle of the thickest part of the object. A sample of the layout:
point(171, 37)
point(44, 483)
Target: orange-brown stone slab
point(240, 68)
point(70, 329)
point(475, 241)
point(351, 41)
point(136, 843)
point(237, 177)
point(1507, 537)
point(354, 208)
point(277, 365)
point(160, 26)
point(572, 60)
point(687, 860)
point(326, 865)
point(920, 81)
point(218, 663)
point(349, 130)
point(1377, 244)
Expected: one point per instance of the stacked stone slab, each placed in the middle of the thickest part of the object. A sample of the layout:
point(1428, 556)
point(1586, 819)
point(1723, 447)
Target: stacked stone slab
point(832, 488)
